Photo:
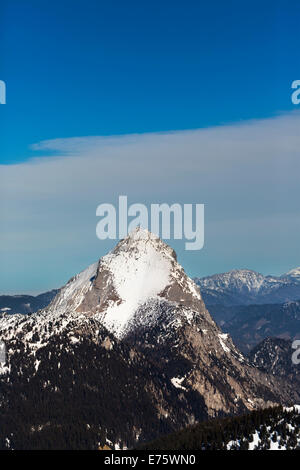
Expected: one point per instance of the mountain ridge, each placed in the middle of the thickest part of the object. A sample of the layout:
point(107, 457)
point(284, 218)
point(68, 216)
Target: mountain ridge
point(245, 286)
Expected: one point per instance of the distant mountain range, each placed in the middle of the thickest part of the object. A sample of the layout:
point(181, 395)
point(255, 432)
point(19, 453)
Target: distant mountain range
point(252, 307)
point(26, 303)
point(245, 287)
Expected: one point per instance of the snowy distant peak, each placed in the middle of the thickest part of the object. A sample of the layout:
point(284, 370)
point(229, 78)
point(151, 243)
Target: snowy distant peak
point(246, 277)
point(243, 287)
point(293, 274)
point(237, 278)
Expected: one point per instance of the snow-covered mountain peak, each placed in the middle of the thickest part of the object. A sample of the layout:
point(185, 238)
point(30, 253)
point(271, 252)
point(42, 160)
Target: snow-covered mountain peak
point(293, 274)
point(237, 278)
point(140, 271)
point(125, 288)
point(134, 315)
point(140, 263)
point(141, 240)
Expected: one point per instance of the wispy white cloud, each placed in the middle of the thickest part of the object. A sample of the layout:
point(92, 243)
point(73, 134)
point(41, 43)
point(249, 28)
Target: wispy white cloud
point(247, 171)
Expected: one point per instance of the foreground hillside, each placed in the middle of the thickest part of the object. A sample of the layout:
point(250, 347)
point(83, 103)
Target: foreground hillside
point(270, 429)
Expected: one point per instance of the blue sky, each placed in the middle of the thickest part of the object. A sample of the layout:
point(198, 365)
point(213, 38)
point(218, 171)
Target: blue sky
point(88, 67)
point(94, 68)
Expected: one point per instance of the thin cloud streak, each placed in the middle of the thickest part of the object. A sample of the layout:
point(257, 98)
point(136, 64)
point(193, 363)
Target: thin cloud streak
point(243, 171)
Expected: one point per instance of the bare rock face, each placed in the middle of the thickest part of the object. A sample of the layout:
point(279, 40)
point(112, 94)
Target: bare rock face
point(133, 330)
